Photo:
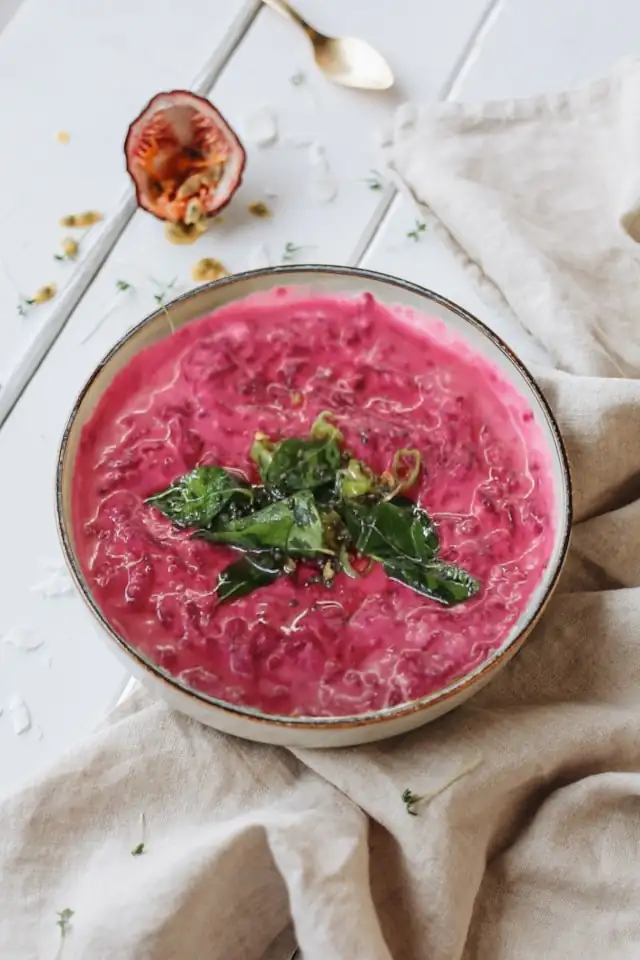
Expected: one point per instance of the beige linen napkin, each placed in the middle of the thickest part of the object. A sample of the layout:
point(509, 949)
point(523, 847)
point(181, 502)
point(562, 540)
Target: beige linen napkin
point(535, 853)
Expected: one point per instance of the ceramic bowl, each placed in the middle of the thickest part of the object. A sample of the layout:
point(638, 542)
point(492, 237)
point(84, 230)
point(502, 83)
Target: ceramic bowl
point(322, 731)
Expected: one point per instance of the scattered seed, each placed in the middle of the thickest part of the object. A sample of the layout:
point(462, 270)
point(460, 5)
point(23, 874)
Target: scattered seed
point(86, 219)
point(62, 136)
point(208, 269)
point(328, 571)
point(259, 209)
point(70, 249)
point(194, 212)
point(185, 234)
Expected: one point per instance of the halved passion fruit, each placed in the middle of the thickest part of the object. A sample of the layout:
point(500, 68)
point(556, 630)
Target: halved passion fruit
point(185, 160)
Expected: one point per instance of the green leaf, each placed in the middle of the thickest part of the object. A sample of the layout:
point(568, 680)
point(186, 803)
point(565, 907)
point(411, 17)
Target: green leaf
point(302, 465)
point(196, 499)
point(246, 575)
point(397, 531)
point(292, 526)
point(64, 920)
point(443, 582)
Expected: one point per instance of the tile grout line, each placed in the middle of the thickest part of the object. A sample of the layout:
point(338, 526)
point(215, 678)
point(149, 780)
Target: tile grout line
point(450, 87)
point(78, 286)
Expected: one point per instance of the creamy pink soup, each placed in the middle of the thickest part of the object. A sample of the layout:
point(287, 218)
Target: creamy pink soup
point(273, 364)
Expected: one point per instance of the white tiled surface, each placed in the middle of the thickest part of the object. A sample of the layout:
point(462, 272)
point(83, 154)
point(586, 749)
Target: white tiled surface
point(63, 67)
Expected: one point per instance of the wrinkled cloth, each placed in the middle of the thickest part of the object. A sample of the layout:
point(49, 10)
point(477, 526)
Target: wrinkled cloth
point(534, 852)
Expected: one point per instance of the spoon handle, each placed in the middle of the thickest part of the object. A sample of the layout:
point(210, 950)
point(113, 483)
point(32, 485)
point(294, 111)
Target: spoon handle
point(286, 10)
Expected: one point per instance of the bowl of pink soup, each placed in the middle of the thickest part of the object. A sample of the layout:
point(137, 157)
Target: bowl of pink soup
point(313, 506)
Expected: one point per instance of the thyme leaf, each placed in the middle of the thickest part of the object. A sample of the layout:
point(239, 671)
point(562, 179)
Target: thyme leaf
point(418, 230)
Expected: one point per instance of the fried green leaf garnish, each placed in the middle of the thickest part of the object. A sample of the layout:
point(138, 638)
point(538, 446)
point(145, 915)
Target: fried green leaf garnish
point(196, 499)
point(293, 527)
point(443, 582)
point(301, 465)
point(316, 505)
point(245, 575)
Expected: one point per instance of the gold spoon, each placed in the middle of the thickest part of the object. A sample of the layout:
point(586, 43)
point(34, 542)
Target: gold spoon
point(345, 60)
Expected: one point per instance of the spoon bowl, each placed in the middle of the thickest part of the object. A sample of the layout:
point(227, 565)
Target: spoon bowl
point(348, 61)
point(352, 62)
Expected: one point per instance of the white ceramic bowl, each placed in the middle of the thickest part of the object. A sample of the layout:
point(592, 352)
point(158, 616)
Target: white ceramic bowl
point(320, 731)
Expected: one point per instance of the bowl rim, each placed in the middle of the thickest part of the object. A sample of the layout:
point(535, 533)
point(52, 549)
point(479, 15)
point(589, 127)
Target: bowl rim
point(458, 687)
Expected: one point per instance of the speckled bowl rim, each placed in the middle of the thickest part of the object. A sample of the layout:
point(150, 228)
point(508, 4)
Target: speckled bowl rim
point(476, 677)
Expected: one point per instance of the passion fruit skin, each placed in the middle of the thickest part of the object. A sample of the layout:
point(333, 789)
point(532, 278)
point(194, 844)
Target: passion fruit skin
point(181, 126)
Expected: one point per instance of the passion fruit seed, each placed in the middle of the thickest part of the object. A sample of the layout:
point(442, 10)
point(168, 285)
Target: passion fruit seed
point(45, 293)
point(328, 571)
point(259, 209)
point(208, 269)
point(194, 212)
point(70, 247)
point(86, 219)
point(185, 234)
point(207, 178)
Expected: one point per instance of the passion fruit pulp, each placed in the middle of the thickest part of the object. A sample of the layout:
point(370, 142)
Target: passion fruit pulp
point(185, 160)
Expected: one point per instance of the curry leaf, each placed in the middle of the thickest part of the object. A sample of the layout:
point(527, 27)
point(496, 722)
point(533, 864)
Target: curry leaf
point(395, 531)
point(293, 526)
point(246, 575)
point(443, 582)
point(196, 499)
point(302, 465)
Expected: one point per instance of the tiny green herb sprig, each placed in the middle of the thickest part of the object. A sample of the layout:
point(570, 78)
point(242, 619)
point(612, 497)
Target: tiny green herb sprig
point(140, 847)
point(316, 506)
point(122, 286)
point(410, 799)
point(24, 305)
point(161, 298)
point(165, 288)
point(64, 921)
point(417, 232)
point(375, 181)
point(290, 252)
